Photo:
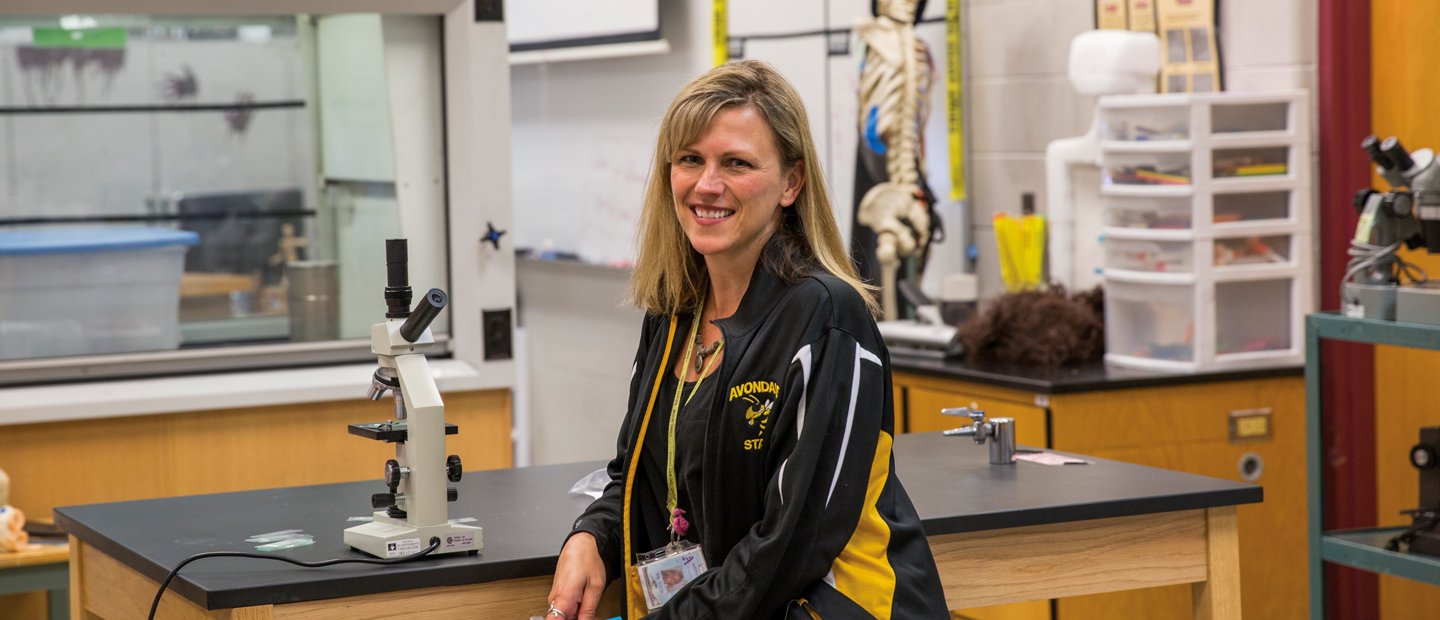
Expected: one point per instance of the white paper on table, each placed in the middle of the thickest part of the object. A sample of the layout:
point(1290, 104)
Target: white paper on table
point(1049, 458)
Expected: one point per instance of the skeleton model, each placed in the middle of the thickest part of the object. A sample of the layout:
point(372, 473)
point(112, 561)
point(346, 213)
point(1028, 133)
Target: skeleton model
point(893, 87)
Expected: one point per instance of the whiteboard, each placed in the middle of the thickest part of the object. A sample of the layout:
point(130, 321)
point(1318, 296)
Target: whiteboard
point(540, 24)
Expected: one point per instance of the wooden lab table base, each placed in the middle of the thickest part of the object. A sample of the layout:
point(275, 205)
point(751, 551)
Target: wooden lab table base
point(1198, 547)
point(102, 587)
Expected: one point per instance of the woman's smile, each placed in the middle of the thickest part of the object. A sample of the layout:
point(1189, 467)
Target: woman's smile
point(710, 215)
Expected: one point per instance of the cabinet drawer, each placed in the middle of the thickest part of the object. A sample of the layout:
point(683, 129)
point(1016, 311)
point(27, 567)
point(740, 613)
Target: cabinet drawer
point(1146, 417)
point(925, 405)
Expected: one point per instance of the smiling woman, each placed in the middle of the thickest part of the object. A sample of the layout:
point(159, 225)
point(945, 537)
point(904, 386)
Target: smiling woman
point(760, 420)
point(730, 186)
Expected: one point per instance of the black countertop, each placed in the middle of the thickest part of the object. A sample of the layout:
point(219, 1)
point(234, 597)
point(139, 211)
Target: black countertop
point(526, 513)
point(1092, 377)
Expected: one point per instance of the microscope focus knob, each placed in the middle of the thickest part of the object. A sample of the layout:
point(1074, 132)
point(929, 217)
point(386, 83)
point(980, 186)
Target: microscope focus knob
point(1423, 456)
point(382, 500)
point(392, 474)
point(1397, 203)
point(1362, 198)
point(453, 471)
point(451, 494)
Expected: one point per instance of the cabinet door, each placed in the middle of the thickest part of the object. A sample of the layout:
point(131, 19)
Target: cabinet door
point(1186, 428)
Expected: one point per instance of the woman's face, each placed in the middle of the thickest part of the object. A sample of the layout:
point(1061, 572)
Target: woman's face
point(729, 187)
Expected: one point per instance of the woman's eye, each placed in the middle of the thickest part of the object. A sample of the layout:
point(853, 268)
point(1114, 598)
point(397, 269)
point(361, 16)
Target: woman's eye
point(688, 160)
point(739, 163)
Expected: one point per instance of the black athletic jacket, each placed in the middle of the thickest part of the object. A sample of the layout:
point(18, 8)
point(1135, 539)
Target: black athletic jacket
point(803, 515)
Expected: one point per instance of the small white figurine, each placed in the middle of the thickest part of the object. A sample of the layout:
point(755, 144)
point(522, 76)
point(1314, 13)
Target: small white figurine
point(12, 521)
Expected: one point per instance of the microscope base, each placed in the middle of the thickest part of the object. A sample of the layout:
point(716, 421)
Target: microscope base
point(386, 537)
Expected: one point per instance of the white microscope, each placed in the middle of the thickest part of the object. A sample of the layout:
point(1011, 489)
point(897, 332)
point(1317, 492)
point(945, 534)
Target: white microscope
point(413, 515)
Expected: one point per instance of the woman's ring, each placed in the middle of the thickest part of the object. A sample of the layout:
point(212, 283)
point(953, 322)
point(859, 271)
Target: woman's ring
point(555, 613)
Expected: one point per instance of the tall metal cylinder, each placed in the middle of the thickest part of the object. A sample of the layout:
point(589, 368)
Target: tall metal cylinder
point(1002, 441)
point(313, 300)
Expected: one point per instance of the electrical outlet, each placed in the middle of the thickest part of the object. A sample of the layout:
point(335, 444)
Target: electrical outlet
point(496, 332)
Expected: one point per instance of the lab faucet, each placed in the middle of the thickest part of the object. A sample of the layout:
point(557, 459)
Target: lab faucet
point(999, 431)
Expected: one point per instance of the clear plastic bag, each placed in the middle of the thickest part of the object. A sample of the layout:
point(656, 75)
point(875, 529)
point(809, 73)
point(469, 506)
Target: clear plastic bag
point(593, 484)
point(270, 537)
point(300, 540)
point(281, 540)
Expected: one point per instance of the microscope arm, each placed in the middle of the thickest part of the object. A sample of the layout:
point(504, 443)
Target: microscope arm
point(424, 447)
point(417, 385)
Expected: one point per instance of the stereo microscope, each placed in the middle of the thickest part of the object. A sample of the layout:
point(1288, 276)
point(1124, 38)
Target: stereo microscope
point(1406, 215)
point(413, 514)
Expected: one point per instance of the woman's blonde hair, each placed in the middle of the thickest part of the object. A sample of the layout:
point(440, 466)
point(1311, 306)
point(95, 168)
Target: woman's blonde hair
point(670, 275)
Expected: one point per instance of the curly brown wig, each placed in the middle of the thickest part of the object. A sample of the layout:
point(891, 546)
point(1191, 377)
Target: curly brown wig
point(1044, 328)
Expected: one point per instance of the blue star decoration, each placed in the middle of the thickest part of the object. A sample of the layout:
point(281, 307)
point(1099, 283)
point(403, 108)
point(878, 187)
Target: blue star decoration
point(492, 236)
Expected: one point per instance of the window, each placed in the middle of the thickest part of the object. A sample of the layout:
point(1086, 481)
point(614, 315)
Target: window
point(183, 194)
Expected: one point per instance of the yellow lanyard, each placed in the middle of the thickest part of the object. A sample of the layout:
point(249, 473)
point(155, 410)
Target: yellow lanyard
point(671, 498)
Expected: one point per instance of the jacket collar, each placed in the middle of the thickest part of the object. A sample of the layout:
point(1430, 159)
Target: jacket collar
point(765, 287)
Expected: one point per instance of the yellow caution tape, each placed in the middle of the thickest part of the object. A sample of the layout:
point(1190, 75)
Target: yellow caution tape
point(721, 25)
point(953, 110)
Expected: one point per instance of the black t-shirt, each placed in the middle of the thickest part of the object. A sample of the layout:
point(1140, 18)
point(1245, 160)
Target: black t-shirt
point(689, 451)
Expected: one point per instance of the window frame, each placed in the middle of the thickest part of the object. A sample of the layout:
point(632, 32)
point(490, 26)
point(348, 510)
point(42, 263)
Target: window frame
point(476, 111)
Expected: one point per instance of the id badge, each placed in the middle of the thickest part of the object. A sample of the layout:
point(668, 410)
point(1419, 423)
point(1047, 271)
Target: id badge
point(667, 569)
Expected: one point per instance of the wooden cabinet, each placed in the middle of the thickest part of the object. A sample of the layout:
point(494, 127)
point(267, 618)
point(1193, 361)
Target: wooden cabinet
point(141, 457)
point(1246, 430)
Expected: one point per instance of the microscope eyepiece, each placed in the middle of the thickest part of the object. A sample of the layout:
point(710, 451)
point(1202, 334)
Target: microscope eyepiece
point(425, 312)
point(397, 272)
point(1399, 157)
point(1371, 144)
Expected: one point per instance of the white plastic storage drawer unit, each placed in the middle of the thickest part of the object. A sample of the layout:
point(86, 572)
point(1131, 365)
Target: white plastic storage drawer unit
point(1182, 323)
point(1207, 229)
point(90, 291)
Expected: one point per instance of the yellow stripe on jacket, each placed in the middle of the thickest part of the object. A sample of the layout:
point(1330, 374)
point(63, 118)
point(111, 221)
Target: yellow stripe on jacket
point(635, 598)
point(862, 570)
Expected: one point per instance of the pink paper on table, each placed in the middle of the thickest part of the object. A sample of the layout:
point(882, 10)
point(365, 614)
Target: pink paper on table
point(1049, 458)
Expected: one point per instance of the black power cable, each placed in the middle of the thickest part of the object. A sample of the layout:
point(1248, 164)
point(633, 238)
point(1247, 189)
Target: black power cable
point(434, 544)
point(1424, 519)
